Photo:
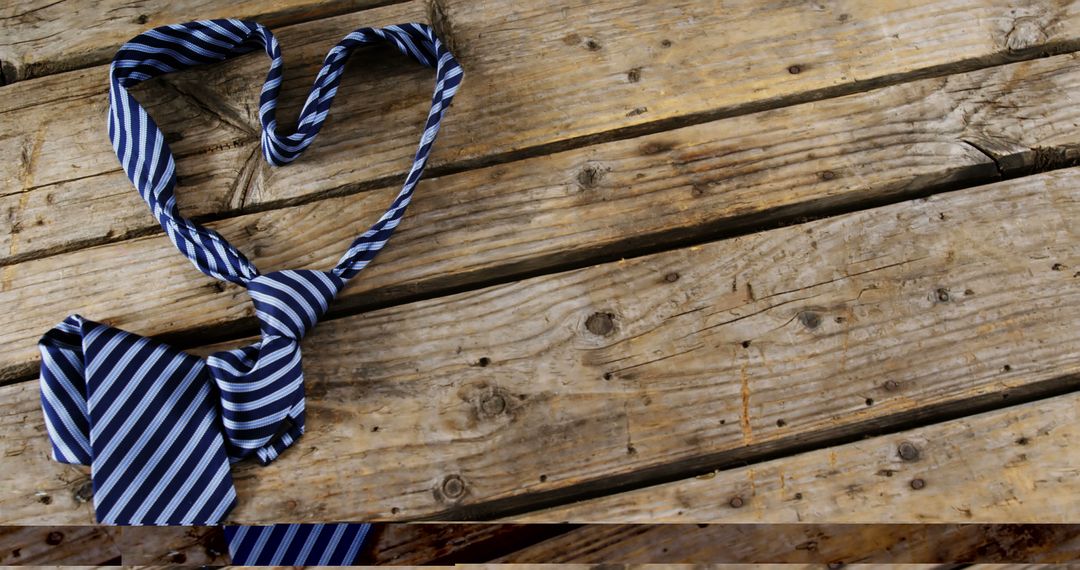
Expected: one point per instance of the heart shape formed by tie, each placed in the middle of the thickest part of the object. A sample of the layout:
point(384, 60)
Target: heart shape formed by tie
point(160, 427)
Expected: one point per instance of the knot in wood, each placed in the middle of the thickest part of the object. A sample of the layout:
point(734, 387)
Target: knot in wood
point(453, 487)
point(177, 557)
point(1025, 33)
point(590, 176)
point(908, 451)
point(810, 319)
point(54, 538)
point(600, 324)
point(493, 405)
point(84, 493)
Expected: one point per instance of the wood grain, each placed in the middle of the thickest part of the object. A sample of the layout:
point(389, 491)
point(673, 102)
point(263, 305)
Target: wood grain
point(173, 545)
point(434, 543)
point(603, 200)
point(805, 543)
point(43, 37)
point(67, 545)
point(448, 544)
point(1013, 465)
point(675, 361)
point(533, 84)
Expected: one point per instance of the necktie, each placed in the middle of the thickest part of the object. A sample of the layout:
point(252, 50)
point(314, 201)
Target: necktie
point(160, 427)
point(296, 544)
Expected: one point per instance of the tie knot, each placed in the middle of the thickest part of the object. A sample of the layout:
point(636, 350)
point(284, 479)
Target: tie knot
point(288, 303)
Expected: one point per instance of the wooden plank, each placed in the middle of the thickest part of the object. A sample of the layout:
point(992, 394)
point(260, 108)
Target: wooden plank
point(805, 543)
point(472, 405)
point(532, 85)
point(388, 544)
point(426, 544)
point(43, 37)
point(597, 201)
point(172, 545)
point(30, 545)
point(1013, 465)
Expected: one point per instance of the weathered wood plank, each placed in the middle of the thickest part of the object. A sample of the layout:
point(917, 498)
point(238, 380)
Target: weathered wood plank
point(172, 545)
point(389, 544)
point(579, 204)
point(671, 361)
point(43, 37)
point(20, 546)
point(1013, 465)
point(533, 84)
point(805, 543)
point(425, 544)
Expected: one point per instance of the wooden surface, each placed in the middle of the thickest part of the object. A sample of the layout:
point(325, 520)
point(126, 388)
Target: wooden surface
point(685, 372)
point(580, 86)
point(1017, 464)
point(673, 185)
point(43, 37)
point(67, 545)
point(191, 546)
point(804, 543)
point(658, 243)
point(447, 544)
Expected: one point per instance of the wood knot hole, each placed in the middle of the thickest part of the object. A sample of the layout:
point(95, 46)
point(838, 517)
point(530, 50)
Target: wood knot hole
point(493, 405)
point(908, 451)
point(810, 319)
point(54, 538)
point(453, 487)
point(601, 324)
point(84, 493)
point(590, 176)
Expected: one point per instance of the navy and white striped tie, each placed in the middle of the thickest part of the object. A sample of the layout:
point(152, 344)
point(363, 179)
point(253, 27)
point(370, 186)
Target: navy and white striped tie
point(159, 427)
point(296, 544)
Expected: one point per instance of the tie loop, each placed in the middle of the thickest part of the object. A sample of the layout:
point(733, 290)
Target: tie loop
point(148, 161)
point(160, 427)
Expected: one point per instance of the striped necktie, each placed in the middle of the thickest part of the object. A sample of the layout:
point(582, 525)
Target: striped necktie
point(296, 544)
point(160, 427)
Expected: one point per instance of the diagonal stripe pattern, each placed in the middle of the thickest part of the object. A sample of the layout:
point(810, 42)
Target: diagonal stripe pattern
point(296, 544)
point(160, 427)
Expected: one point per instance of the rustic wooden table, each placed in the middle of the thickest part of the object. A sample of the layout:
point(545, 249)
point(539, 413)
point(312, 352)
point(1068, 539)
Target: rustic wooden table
point(673, 261)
